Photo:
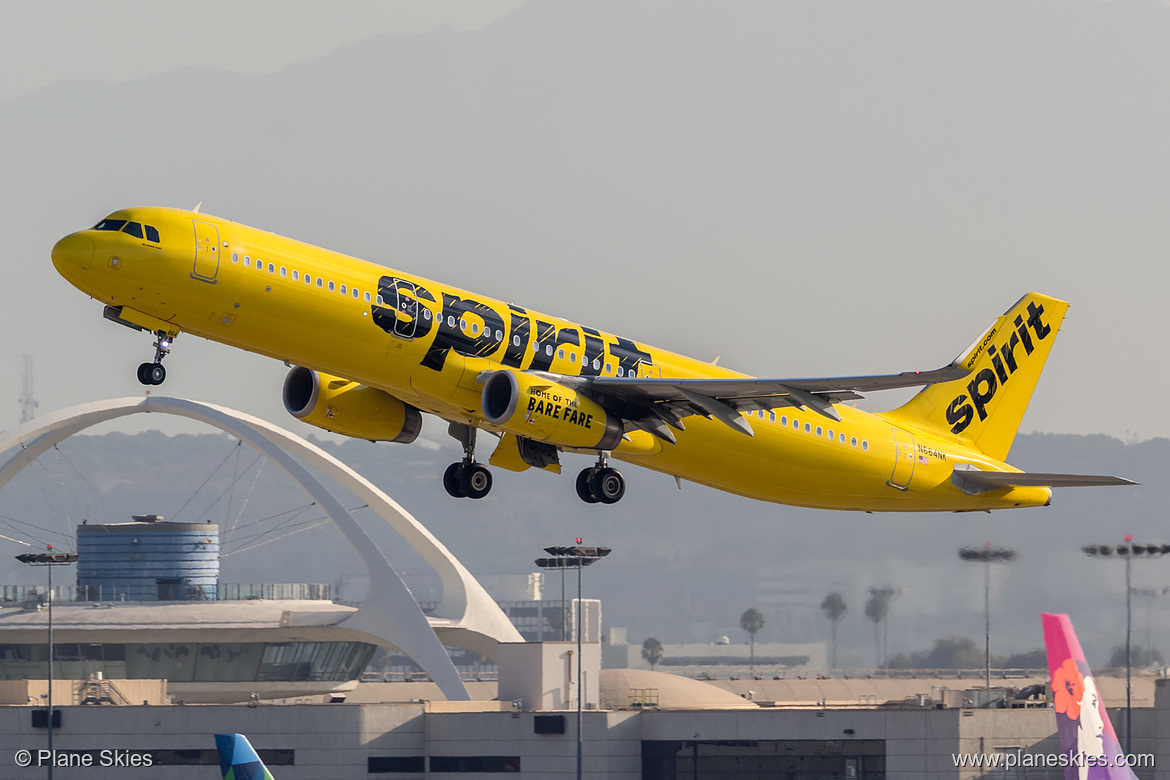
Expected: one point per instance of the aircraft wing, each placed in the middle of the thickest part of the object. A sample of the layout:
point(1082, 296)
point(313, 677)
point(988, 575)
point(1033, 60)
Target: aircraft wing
point(974, 480)
point(650, 403)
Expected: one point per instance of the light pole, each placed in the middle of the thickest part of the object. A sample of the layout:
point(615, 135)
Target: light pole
point(1149, 594)
point(987, 555)
point(574, 558)
point(49, 560)
point(1127, 552)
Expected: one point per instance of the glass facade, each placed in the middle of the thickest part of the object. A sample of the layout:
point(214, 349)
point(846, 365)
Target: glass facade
point(184, 662)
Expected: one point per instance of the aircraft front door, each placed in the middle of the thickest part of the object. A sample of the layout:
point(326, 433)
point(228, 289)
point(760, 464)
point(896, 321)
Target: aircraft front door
point(903, 460)
point(206, 251)
point(406, 309)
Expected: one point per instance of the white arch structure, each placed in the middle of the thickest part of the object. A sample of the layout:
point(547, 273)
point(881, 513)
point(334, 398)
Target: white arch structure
point(466, 617)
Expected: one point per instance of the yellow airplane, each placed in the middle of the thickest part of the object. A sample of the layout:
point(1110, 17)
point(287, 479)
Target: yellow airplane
point(373, 348)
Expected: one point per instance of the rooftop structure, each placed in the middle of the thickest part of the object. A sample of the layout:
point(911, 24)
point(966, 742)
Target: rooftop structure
point(148, 560)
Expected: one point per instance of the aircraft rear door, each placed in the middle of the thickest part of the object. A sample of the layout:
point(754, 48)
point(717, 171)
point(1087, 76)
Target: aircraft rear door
point(406, 309)
point(903, 460)
point(206, 251)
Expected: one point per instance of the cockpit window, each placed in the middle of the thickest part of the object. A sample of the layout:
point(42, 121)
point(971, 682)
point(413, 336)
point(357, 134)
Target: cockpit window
point(110, 224)
point(134, 229)
point(151, 234)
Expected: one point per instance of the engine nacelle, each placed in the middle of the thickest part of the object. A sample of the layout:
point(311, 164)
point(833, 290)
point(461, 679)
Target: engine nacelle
point(349, 408)
point(547, 411)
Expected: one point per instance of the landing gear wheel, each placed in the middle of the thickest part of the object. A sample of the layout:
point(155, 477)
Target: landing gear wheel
point(608, 485)
point(152, 374)
point(475, 480)
point(452, 482)
point(584, 489)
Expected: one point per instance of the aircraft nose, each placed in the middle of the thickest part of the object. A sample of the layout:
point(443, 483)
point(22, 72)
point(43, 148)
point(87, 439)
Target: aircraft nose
point(72, 254)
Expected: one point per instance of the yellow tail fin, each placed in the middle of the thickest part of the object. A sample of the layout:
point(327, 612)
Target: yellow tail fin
point(985, 407)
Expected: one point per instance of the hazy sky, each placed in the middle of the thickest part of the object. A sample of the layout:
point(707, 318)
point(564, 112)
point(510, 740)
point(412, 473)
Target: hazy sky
point(117, 40)
point(804, 188)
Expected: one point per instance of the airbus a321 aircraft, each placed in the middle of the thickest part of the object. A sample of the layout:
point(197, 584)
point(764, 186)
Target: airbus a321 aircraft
point(373, 348)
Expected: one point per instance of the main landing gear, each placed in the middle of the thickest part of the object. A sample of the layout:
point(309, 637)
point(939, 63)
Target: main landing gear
point(154, 373)
point(466, 479)
point(601, 483)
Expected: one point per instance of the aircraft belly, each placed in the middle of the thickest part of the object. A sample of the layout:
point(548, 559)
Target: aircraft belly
point(783, 467)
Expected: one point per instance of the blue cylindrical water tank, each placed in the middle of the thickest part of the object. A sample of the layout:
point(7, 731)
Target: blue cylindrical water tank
point(148, 560)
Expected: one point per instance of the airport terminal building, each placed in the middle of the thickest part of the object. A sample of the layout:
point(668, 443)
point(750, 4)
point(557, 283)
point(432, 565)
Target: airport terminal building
point(690, 733)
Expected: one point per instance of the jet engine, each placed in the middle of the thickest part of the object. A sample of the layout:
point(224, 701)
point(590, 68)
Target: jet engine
point(547, 411)
point(349, 408)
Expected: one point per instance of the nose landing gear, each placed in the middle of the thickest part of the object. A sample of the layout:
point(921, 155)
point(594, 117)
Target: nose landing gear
point(601, 483)
point(154, 373)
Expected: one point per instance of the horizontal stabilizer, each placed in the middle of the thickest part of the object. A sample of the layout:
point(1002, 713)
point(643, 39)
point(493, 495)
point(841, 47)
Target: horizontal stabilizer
point(974, 480)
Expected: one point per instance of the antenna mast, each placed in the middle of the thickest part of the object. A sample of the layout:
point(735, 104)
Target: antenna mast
point(28, 403)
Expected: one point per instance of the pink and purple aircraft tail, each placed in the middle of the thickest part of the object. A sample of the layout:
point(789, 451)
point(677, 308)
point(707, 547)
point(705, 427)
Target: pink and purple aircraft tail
point(1086, 734)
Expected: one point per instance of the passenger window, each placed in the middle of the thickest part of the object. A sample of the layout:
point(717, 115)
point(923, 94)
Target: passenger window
point(572, 357)
point(609, 368)
point(548, 349)
point(247, 262)
point(152, 235)
point(367, 297)
point(475, 329)
point(831, 434)
point(796, 423)
point(760, 413)
point(771, 417)
point(620, 371)
point(842, 438)
point(134, 229)
point(235, 257)
point(426, 312)
point(283, 271)
point(536, 346)
point(110, 224)
point(379, 301)
point(332, 286)
point(343, 289)
point(296, 276)
point(864, 445)
point(271, 268)
point(354, 290)
point(515, 341)
point(321, 281)
point(463, 325)
point(259, 264)
point(450, 321)
point(499, 335)
point(784, 420)
point(807, 427)
point(853, 441)
point(818, 430)
point(596, 365)
point(560, 354)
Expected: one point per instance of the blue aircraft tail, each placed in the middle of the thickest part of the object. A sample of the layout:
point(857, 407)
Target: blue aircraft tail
point(238, 760)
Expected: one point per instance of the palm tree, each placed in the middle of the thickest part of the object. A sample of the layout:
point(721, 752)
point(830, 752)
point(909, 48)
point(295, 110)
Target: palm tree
point(877, 609)
point(751, 622)
point(834, 608)
point(652, 652)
